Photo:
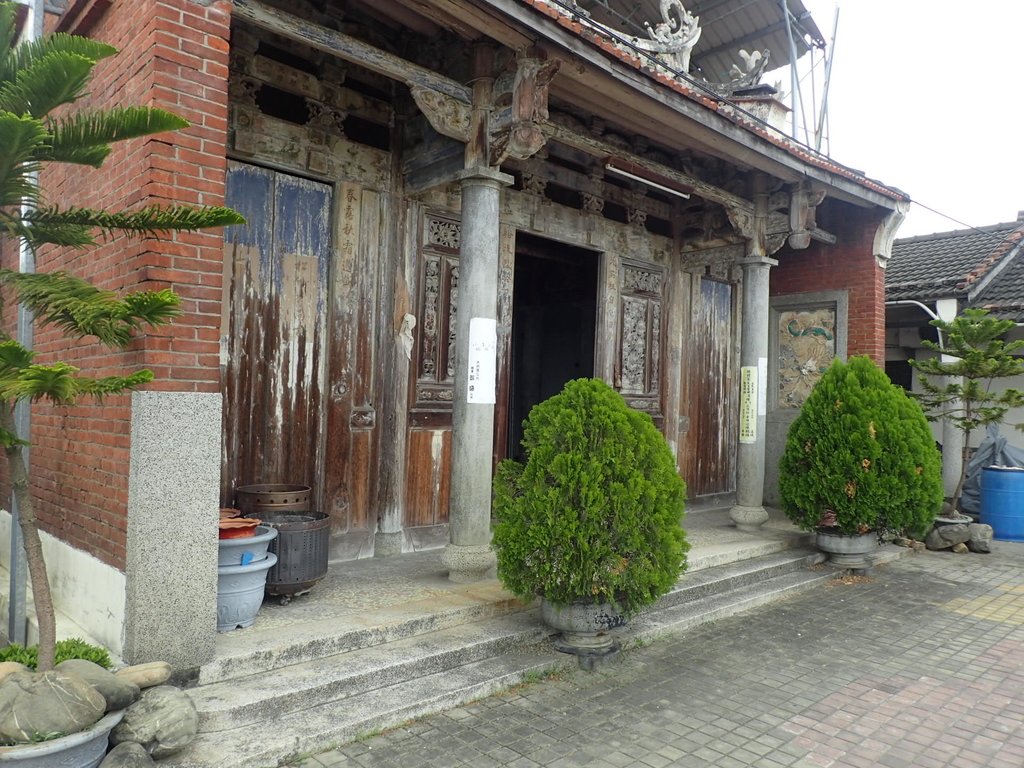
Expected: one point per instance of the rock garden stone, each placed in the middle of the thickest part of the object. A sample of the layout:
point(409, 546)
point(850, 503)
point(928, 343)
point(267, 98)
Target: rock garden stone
point(981, 538)
point(118, 692)
point(164, 720)
point(47, 704)
point(9, 667)
point(128, 755)
point(960, 548)
point(946, 536)
point(146, 675)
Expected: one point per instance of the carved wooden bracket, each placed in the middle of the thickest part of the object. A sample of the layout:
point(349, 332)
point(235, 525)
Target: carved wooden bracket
point(803, 202)
point(523, 137)
point(446, 114)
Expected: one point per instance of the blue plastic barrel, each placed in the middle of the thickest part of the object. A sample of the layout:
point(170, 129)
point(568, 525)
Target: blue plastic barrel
point(1002, 502)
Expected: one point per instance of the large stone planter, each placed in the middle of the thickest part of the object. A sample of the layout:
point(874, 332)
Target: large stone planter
point(585, 627)
point(848, 551)
point(84, 749)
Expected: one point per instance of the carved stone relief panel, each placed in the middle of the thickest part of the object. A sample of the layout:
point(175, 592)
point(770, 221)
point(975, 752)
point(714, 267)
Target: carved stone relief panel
point(807, 346)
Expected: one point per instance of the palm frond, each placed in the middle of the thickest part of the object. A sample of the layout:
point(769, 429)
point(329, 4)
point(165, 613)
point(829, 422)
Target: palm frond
point(7, 32)
point(112, 385)
point(21, 57)
point(54, 382)
point(21, 138)
point(84, 137)
point(45, 84)
point(80, 309)
point(150, 220)
point(13, 358)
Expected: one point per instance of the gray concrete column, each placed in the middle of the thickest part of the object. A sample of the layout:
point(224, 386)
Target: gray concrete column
point(469, 556)
point(749, 513)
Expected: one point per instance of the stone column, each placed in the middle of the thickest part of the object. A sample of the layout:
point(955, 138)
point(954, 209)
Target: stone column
point(749, 513)
point(468, 556)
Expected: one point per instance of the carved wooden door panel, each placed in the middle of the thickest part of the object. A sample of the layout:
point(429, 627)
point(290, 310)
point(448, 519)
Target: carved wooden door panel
point(273, 328)
point(709, 453)
point(638, 367)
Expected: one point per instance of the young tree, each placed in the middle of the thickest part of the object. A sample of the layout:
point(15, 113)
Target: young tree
point(39, 83)
point(960, 390)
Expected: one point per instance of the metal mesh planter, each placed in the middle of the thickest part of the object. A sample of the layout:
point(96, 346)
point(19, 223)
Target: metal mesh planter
point(272, 499)
point(301, 546)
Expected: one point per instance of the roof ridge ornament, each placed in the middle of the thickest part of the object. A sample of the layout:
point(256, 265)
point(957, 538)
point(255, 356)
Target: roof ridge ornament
point(673, 38)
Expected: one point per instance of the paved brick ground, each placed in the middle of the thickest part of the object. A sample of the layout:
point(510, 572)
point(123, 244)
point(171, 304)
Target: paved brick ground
point(920, 665)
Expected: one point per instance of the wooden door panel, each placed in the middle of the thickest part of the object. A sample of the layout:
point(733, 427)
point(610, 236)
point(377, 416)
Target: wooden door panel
point(275, 322)
point(709, 464)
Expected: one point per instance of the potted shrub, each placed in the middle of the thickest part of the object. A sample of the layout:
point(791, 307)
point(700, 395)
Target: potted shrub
point(859, 463)
point(591, 522)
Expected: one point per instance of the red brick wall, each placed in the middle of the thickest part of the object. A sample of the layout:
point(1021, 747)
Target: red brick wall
point(848, 265)
point(174, 55)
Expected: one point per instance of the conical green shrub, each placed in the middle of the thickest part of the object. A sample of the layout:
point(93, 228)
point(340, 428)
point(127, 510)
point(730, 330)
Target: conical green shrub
point(860, 456)
point(595, 513)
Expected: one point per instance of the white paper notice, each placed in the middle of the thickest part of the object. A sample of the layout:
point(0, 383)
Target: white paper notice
point(762, 386)
point(748, 404)
point(483, 350)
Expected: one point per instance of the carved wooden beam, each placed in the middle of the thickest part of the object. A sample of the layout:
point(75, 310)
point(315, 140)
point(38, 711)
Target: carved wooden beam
point(346, 47)
point(601, 149)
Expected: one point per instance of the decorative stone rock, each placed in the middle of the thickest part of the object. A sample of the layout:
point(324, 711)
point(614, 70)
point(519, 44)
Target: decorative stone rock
point(118, 692)
point(935, 542)
point(954, 534)
point(164, 720)
point(51, 703)
point(945, 536)
point(8, 668)
point(918, 546)
point(146, 675)
point(981, 538)
point(960, 548)
point(128, 755)
point(903, 541)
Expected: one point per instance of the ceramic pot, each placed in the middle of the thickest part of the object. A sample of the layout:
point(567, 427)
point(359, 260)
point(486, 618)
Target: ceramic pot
point(85, 749)
point(250, 549)
point(584, 626)
point(848, 551)
point(240, 593)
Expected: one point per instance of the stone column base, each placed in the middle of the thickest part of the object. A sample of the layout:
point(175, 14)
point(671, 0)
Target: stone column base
point(748, 519)
point(467, 563)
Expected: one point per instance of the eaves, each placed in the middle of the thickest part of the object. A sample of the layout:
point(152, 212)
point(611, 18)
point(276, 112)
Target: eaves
point(712, 120)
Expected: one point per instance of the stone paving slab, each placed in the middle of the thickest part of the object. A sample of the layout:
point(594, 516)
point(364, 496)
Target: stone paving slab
point(920, 664)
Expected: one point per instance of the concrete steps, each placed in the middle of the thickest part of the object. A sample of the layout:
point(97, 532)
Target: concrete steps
point(315, 689)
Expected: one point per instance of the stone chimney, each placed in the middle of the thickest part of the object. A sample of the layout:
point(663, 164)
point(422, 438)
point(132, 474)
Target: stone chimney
point(761, 102)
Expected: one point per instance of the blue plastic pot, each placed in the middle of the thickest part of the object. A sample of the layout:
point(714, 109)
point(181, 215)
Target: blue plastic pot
point(240, 593)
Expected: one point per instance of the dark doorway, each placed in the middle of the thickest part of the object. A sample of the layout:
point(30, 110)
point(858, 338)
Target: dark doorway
point(554, 310)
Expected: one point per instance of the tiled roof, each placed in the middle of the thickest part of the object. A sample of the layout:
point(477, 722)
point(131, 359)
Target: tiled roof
point(956, 265)
point(571, 21)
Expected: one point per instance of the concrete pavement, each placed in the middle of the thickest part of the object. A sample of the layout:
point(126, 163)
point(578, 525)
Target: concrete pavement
point(920, 664)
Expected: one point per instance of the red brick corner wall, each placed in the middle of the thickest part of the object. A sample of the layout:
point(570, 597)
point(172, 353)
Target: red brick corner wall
point(847, 265)
point(174, 55)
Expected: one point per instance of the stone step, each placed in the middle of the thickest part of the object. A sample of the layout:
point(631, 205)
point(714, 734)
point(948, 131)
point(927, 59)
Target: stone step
point(246, 655)
point(265, 717)
point(262, 697)
point(696, 584)
point(320, 727)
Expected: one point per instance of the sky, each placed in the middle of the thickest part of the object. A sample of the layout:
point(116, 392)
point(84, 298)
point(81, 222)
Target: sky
point(928, 96)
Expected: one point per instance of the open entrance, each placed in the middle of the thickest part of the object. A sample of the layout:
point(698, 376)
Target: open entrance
point(554, 310)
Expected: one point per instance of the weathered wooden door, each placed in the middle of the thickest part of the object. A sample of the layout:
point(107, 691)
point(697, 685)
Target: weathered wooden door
point(274, 328)
point(709, 455)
